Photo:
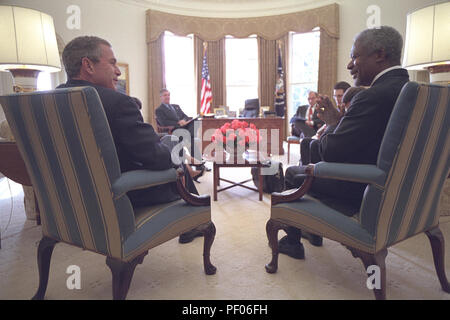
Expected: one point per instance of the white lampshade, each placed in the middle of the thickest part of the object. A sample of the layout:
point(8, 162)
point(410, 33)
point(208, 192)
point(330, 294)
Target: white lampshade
point(27, 40)
point(427, 42)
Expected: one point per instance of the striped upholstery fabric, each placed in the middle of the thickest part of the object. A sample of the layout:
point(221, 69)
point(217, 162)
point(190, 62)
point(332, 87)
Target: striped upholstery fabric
point(70, 155)
point(157, 224)
point(71, 159)
point(415, 152)
point(415, 155)
point(311, 215)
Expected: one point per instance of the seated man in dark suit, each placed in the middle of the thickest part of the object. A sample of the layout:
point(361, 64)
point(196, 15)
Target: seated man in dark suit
point(90, 61)
point(171, 115)
point(354, 137)
point(305, 122)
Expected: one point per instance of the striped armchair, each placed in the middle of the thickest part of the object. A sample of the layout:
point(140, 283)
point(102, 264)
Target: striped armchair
point(66, 143)
point(403, 192)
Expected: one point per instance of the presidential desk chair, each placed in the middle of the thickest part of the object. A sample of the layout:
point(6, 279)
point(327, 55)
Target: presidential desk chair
point(251, 108)
point(403, 192)
point(66, 143)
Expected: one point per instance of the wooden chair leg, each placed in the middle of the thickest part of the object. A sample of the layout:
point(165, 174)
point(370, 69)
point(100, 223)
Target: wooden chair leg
point(44, 256)
point(122, 274)
point(378, 259)
point(438, 247)
point(209, 233)
point(272, 228)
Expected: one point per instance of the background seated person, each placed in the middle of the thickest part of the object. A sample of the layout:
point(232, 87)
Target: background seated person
point(305, 122)
point(338, 93)
point(171, 115)
point(309, 147)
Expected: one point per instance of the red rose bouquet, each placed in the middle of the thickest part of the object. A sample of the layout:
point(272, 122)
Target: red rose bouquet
point(238, 134)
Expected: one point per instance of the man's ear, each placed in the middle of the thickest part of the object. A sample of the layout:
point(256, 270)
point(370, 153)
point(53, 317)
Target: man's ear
point(87, 65)
point(380, 56)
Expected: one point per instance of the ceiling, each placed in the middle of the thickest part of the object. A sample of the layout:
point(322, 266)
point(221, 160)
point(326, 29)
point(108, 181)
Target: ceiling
point(229, 8)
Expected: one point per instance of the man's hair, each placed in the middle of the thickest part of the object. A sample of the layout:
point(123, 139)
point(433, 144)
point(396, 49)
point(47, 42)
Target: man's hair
point(342, 85)
point(350, 93)
point(383, 38)
point(77, 49)
point(315, 93)
point(162, 91)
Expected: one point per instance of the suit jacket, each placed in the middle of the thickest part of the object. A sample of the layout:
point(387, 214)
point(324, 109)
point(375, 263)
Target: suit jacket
point(137, 144)
point(299, 114)
point(167, 117)
point(317, 122)
point(298, 124)
point(357, 137)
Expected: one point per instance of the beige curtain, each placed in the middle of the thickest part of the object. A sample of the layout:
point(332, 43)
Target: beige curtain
point(156, 78)
point(268, 63)
point(215, 55)
point(327, 63)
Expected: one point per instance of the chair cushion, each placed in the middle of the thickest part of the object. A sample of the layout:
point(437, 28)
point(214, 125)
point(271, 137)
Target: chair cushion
point(293, 139)
point(310, 214)
point(160, 223)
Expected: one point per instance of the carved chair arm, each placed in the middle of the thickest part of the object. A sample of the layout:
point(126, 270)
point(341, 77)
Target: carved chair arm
point(297, 193)
point(192, 199)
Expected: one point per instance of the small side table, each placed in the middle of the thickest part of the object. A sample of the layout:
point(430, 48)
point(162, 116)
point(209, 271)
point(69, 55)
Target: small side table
point(247, 161)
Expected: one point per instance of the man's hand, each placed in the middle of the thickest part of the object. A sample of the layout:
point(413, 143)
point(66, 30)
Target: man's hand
point(182, 122)
point(327, 112)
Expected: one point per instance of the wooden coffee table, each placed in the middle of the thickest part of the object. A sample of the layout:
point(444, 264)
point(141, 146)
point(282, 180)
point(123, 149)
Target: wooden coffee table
point(249, 160)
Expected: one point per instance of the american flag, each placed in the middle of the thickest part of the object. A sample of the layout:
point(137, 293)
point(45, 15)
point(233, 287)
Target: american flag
point(206, 94)
point(280, 96)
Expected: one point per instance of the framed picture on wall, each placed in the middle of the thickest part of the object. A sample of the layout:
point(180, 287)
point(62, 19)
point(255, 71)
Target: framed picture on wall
point(123, 85)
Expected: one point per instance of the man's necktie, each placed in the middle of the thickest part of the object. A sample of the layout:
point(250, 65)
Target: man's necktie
point(172, 108)
point(309, 116)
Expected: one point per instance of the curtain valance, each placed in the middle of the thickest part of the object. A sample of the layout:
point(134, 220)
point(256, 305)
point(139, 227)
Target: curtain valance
point(268, 27)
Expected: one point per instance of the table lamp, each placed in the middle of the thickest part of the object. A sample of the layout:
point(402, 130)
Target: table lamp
point(27, 45)
point(427, 44)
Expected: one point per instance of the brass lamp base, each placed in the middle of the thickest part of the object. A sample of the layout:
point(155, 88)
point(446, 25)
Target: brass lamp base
point(440, 74)
point(25, 80)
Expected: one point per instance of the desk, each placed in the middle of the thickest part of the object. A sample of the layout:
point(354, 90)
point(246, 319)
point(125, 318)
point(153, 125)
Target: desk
point(260, 123)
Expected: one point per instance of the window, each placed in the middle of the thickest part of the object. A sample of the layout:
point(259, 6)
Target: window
point(179, 71)
point(304, 68)
point(241, 71)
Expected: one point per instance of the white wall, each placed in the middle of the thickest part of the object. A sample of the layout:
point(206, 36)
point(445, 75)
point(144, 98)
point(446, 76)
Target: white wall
point(353, 19)
point(123, 25)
